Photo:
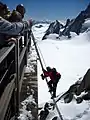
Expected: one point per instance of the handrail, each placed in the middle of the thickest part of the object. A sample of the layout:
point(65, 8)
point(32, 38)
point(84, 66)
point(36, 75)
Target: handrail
point(5, 51)
point(17, 54)
point(17, 77)
point(4, 101)
point(33, 38)
point(22, 55)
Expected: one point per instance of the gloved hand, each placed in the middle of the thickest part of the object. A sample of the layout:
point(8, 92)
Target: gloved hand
point(27, 25)
point(42, 76)
point(30, 23)
point(43, 70)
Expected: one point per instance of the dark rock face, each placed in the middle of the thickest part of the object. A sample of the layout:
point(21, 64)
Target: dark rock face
point(54, 27)
point(39, 26)
point(75, 25)
point(82, 85)
point(67, 23)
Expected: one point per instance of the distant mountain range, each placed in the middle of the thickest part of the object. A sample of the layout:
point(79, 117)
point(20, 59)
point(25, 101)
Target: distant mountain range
point(42, 22)
point(73, 25)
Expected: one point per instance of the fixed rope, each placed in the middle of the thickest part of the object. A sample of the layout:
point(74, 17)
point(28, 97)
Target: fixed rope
point(41, 56)
point(33, 38)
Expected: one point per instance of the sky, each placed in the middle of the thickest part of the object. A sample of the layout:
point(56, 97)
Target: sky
point(50, 9)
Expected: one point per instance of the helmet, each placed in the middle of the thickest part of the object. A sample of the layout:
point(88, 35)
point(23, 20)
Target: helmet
point(3, 10)
point(54, 70)
point(20, 8)
point(48, 69)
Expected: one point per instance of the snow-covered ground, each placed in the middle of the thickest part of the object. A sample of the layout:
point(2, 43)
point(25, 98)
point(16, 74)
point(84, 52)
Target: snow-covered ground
point(31, 62)
point(71, 58)
point(26, 114)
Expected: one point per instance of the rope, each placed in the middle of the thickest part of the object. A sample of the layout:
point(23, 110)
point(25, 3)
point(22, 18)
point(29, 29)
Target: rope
point(42, 56)
point(40, 53)
point(33, 38)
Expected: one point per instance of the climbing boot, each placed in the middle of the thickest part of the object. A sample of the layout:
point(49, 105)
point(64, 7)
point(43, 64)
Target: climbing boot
point(53, 96)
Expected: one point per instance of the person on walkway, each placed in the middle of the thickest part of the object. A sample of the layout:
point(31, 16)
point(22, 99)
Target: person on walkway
point(17, 15)
point(8, 28)
point(4, 11)
point(54, 79)
point(21, 9)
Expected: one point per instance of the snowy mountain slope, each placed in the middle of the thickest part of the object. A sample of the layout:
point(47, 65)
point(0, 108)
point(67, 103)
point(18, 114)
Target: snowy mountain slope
point(72, 59)
point(38, 32)
point(86, 25)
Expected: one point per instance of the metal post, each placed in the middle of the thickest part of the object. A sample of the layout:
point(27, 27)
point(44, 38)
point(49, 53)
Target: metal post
point(17, 78)
point(26, 45)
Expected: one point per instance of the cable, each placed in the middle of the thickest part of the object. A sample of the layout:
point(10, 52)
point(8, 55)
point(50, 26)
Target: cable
point(33, 38)
point(41, 55)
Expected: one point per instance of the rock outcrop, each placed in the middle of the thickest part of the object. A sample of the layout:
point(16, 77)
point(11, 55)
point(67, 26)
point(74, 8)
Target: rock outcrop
point(75, 25)
point(54, 27)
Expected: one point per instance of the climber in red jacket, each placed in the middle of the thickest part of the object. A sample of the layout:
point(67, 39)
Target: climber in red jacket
point(54, 78)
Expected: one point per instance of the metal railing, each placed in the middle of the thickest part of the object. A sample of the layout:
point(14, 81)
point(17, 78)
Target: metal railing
point(13, 60)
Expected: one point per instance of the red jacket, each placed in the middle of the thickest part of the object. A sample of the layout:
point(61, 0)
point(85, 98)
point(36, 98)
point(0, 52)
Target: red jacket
point(52, 76)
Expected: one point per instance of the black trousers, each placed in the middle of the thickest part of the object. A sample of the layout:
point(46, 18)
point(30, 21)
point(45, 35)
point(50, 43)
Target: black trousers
point(53, 86)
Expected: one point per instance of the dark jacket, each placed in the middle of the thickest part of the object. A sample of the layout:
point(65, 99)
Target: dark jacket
point(8, 28)
point(53, 76)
